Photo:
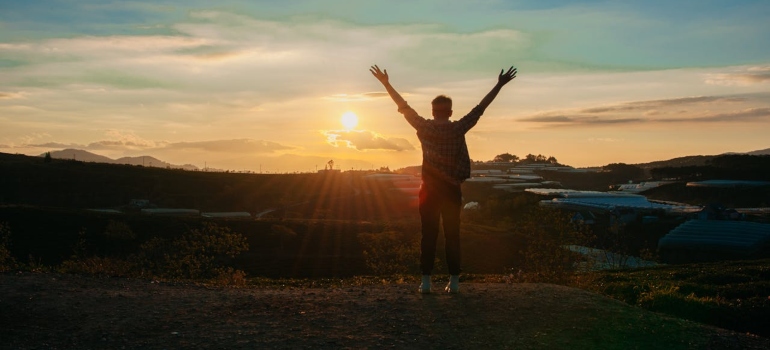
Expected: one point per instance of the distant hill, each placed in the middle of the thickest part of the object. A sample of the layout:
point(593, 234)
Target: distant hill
point(762, 152)
point(677, 162)
point(85, 156)
point(81, 155)
point(695, 160)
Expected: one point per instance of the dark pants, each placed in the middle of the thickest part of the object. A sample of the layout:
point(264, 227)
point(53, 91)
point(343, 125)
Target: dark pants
point(440, 202)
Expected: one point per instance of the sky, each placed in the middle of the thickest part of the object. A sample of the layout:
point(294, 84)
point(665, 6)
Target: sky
point(263, 85)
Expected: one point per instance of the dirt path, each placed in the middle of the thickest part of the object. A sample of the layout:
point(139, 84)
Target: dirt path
point(51, 311)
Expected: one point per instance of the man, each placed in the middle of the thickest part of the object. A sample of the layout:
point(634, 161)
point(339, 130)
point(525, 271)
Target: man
point(445, 165)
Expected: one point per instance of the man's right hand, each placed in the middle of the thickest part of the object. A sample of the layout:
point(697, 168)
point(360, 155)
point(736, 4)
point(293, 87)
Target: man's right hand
point(381, 75)
point(504, 78)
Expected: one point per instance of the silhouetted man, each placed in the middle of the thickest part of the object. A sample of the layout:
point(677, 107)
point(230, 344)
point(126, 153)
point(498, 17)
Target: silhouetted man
point(445, 165)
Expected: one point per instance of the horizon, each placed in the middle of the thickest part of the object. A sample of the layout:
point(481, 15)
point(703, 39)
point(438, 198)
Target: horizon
point(262, 85)
point(59, 154)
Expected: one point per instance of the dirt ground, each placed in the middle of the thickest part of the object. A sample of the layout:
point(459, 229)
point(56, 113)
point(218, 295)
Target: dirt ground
point(53, 311)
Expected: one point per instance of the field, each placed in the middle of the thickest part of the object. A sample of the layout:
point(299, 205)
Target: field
point(329, 245)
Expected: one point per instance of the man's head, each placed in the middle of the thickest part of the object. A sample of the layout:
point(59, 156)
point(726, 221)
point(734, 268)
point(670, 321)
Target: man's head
point(442, 107)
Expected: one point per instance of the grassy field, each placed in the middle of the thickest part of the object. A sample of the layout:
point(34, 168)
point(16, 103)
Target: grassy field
point(729, 294)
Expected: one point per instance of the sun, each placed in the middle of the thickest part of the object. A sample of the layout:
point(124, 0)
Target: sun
point(349, 120)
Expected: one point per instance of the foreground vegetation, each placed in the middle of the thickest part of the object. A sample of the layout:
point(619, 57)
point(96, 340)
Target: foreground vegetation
point(302, 254)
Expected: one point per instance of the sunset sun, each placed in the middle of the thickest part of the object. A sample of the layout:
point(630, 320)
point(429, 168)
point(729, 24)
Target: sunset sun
point(349, 120)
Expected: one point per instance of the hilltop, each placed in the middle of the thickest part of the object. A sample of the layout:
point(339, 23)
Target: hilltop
point(334, 228)
point(69, 311)
point(695, 160)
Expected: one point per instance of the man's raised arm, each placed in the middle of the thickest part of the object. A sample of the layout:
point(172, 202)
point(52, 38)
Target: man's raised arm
point(382, 76)
point(502, 79)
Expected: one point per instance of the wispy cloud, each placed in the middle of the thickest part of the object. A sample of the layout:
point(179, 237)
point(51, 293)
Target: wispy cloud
point(55, 145)
point(359, 97)
point(604, 140)
point(747, 115)
point(128, 141)
point(655, 104)
point(687, 109)
point(230, 146)
point(580, 120)
point(742, 76)
point(10, 95)
point(363, 140)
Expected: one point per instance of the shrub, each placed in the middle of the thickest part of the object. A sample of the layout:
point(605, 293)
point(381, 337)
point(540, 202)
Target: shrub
point(118, 230)
point(198, 254)
point(545, 258)
point(99, 266)
point(7, 262)
point(391, 252)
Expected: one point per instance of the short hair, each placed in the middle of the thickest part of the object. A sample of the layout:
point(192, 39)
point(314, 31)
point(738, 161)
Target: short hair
point(442, 100)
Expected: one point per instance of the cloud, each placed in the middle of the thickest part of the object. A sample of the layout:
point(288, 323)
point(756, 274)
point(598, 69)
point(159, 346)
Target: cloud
point(580, 120)
point(743, 76)
point(702, 109)
point(750, 115)
point(655, 104)
point(116, 145)
point(229, 146)
point(549, 119)
point(245, 147)
point(359, 97)
point(363, 140)
point(55, 145)
point(10, 95)
point(604, 140)
point(98, 145)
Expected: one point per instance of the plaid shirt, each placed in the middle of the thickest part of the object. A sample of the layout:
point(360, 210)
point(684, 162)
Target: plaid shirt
point(444, 151)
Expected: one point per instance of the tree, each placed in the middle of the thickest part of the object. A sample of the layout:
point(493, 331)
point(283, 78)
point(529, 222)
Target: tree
point(505, 158)
point(552, 160)
point(531, 158)
point(47, 157)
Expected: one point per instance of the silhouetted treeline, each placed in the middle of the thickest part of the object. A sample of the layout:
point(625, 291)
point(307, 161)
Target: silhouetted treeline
point(528, 159)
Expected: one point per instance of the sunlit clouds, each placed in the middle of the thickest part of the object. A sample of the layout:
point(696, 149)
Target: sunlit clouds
point(363, 140)
point(266, 83)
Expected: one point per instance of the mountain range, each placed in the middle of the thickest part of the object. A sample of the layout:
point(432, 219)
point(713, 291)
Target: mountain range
point(147, 161)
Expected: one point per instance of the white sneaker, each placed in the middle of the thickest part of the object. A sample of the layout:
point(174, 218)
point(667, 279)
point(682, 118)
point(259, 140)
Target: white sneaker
point(454, 284)
point(425, 285)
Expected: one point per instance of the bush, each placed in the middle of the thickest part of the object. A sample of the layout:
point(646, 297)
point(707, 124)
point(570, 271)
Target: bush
point(98, 266)
point(198, 254)
point(391, 252)
point(545, 257)
point(7, 262)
